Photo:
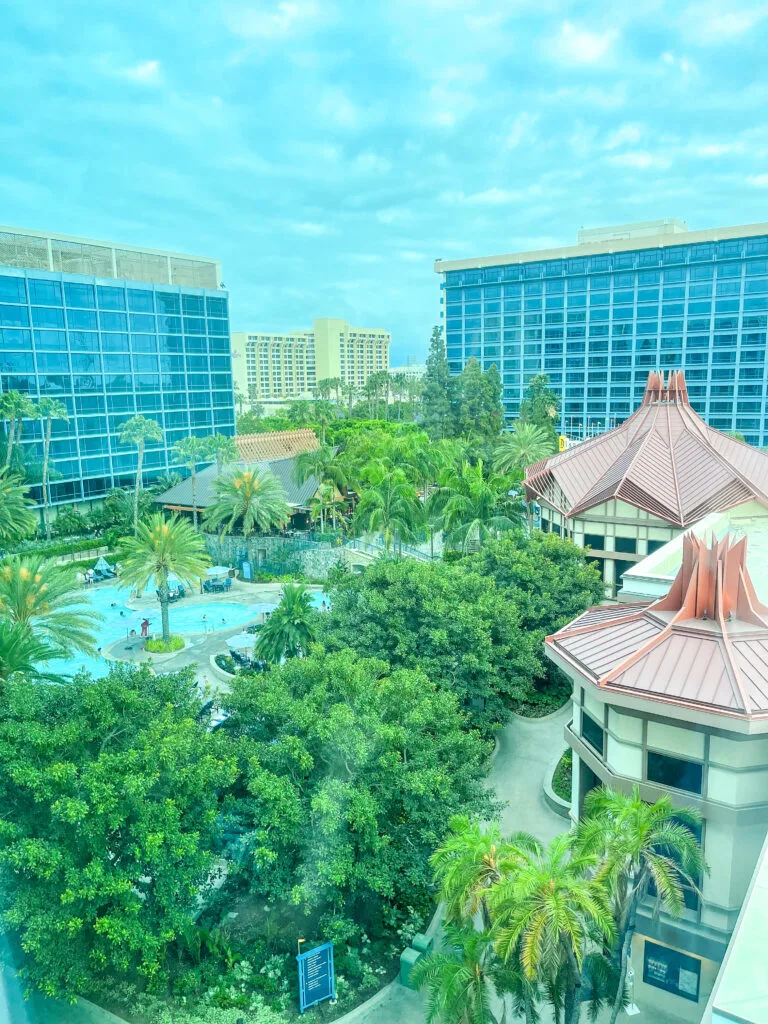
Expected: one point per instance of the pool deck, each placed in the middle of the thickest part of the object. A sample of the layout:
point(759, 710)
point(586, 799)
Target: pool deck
point(198, 647)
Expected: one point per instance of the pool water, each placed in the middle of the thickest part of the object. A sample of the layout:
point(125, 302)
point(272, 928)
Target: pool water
point(118, 620)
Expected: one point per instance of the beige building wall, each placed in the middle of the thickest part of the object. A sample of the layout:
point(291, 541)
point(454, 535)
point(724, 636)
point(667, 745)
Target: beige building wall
point(733, 803)
point(288, 366)
point(618, 534)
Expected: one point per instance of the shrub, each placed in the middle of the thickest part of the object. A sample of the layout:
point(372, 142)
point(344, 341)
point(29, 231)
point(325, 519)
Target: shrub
point(226, 663)
point(158, 646)
point(561, 780)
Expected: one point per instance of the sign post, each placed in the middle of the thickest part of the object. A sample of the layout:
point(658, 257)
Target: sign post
point(316, 976)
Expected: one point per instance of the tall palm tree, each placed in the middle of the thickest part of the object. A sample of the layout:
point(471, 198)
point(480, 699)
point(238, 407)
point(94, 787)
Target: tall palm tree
point(16, 519)
point(471, 860)
point(163, 547)
point(326, 502)
point(475, 510)
point(299, 412)
point(642, 846)
point(139, 430)
point(254, 498)
point(323, 412)
point(325, 464)
point(240, 400)
point(399, 390)
point(13, 407)
point(462, 979)
point(49, 409)
point(291, 627)
point(38, 594)
point(189, 452)
point(522, 447)
point(350, 392)
point(391, 508)
point(222, 450)
point(546, 913)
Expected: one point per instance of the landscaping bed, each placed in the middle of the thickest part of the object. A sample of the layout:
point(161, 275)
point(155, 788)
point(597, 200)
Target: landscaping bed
point(563, 775)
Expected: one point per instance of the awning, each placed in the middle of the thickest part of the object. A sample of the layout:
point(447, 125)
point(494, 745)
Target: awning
point(242, 642)
point(102, 565)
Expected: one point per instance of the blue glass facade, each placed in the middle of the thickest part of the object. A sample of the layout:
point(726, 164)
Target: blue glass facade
point(108, 350)
point(597, 324)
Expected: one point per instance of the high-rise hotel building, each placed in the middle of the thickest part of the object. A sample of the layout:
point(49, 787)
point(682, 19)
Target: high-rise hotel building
point(271, 366)
point(598, 316)
point(112, 331)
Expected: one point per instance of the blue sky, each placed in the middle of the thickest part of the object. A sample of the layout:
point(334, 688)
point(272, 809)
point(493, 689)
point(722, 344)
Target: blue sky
point(328, 152)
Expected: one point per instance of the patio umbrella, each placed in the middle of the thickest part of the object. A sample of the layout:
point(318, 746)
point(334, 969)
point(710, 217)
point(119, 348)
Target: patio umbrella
point(242, 642)
point(217, 570)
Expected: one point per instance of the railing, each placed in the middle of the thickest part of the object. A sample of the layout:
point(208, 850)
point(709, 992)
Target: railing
point(378, 548)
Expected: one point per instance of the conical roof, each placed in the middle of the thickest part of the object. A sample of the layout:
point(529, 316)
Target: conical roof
point(703, 645)
point(663, 459)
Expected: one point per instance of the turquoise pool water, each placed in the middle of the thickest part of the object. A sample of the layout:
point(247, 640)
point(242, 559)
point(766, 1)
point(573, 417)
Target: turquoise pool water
point(118, 620)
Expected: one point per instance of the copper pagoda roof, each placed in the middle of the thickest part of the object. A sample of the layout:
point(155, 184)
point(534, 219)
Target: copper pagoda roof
point(703, 645)
point(663, 459)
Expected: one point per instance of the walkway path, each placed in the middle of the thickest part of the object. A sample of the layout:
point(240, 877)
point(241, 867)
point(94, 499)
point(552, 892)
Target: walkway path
point(527, 747)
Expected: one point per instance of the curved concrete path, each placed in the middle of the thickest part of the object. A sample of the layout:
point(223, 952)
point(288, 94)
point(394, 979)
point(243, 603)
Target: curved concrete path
point(527, 747)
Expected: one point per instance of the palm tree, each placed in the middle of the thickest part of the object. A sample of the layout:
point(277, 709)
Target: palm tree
point(291, 627)
point(21, 653)
point(299, 412)
point(642, 847)
point(470, 861)
point(350, 392)
point(522, 447)
point(327, 502)
point(462, 979)
point(323, 412)
point(240, 400)
point(138, 430)
point(399, 389)
point(190, 451)
point(38, 594)
point(546, 913)
point(325, 465)
point(252, 497)
point(160, 548)
point(475, 510)
point(391, 508)
point(165, 482)
point(50, 409)
point(13, 407)
point(16, 519)
point(222, 450)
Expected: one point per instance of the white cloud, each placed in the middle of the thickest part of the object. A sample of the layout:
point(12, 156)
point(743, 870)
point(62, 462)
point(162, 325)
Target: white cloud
point(522, 128)
point(758, 180)
point(394, 215)
point(683, 64)
point(337, 107)
point(719, 22)
point(713, 150)
point(273, 21)
point(410, 256)
point(372, 163)
point(491, 196)
point(311, 229)
point(574, 45)
point(640, 160)
point(626, 134)
point(147, 72)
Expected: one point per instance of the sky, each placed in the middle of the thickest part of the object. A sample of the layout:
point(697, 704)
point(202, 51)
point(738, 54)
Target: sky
point(327, 152)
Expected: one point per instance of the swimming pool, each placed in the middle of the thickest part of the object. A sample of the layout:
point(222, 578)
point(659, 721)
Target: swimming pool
point(118, 620)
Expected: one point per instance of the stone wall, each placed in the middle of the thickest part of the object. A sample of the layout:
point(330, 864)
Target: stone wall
point(274, 554)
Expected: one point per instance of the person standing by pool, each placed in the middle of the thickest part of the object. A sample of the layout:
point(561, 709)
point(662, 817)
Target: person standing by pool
point(145, 627)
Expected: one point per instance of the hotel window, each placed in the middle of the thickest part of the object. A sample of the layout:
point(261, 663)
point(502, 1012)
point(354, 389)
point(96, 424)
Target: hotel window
point(676, 772)
point(593, 733)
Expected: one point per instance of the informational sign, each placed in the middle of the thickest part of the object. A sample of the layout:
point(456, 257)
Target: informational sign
point(316, 977)
point(672, 970)
point(562, 442)
point(247, 571)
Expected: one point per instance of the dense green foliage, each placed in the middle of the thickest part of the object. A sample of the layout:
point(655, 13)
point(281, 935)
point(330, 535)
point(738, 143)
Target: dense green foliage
point(252, 499)
point(110, 792)
point(290, 628)
point(452, 623)
point(350, 773)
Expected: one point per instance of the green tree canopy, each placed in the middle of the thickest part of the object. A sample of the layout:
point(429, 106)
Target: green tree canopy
point(252, 499)
point(437, 392)
point(17, 520)
point(351, 775)
point(452, 623)
point(290, 628)
point(110, 792)
point(541, 406)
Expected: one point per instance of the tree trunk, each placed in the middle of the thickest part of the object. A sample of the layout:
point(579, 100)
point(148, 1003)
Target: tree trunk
point(46, 457)
point(12, 436)
point(162, 593)
point(323, 427)
point(139, 466)
point(528, 1003)
point(572, 1008)
point(626, 945)
point(219, 464)
point(194, 498)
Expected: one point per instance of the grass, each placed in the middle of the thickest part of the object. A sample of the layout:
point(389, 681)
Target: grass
point(561, 780)
point(158, 646)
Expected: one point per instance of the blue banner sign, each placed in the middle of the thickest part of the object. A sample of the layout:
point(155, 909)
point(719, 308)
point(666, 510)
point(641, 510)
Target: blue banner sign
point(316, 977)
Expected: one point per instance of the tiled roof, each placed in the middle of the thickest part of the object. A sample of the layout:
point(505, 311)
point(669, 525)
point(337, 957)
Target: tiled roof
point(297, 495)
point(278, 444)
point(704, 645)
point(663, 459)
